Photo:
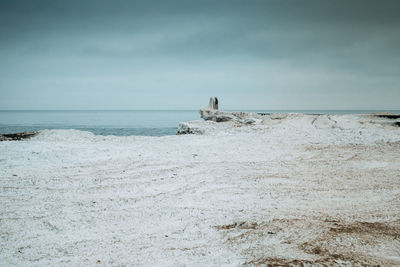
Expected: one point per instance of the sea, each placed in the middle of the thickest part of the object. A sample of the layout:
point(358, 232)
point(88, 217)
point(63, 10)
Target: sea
point(120, 122)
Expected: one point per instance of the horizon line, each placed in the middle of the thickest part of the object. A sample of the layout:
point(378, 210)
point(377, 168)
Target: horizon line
point(259, 109)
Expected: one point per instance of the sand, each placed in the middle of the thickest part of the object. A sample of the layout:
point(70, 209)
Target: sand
point(291, 189)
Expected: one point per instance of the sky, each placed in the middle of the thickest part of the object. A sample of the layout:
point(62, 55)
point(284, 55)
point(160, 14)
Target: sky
point(269, 54)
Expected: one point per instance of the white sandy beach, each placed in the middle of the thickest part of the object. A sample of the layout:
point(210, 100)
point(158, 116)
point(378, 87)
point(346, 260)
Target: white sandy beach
point(290, 189)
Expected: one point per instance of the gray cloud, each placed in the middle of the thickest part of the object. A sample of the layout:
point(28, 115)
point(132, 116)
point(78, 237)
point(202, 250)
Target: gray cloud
point(275, 54)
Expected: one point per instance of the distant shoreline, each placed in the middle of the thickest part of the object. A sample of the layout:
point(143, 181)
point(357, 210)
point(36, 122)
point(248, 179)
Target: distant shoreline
point(303, 111)
point(21, 132)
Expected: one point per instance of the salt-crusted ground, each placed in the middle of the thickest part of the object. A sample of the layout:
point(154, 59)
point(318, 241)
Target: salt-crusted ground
point(291, 189)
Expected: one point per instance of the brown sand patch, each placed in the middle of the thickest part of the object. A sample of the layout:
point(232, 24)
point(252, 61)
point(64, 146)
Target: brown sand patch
point(326, 242)
point(370, 228)
point(239, 225)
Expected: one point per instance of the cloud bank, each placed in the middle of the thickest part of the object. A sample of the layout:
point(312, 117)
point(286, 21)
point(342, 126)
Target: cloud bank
point(175, 54)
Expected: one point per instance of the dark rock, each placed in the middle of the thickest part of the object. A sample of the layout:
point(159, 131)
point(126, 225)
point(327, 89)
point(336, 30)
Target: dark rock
point(17, 136)
point(389, 116)
point(186, 128)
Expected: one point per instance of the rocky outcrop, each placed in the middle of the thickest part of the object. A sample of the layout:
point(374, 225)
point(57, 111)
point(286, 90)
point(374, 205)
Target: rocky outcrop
point(212, 113)
point(17, 136)
point(188, 128)
point(215, 115)
point(387, 115)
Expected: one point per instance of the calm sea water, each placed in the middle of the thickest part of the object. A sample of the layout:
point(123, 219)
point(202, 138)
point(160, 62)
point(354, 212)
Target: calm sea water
point(112, 122)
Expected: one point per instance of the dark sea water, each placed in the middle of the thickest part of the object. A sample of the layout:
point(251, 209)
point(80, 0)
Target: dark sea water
point(113, 122)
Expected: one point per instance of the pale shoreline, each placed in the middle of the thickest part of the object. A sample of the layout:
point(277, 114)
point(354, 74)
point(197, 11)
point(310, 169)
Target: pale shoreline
point(288, 189)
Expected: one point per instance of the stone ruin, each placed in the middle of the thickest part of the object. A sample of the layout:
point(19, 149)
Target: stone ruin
point(212, 113)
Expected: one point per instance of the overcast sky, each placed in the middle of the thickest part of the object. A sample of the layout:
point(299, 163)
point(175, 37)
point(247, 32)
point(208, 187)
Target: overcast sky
point(176, 54)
